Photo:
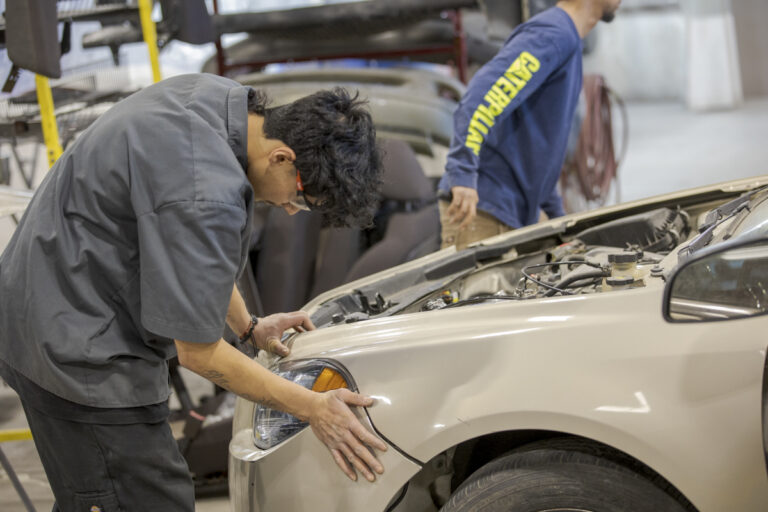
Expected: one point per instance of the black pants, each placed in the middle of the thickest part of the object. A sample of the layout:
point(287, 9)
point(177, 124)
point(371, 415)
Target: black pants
point(107, 468)
point(105, 460)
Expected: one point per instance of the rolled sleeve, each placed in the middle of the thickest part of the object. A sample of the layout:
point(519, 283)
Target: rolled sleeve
point(190, 253)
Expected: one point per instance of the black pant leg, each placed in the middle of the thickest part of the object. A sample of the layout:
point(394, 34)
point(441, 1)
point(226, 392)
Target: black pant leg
point(135, 467)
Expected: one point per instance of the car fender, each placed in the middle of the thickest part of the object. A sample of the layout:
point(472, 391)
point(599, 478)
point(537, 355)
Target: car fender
point(606, 367)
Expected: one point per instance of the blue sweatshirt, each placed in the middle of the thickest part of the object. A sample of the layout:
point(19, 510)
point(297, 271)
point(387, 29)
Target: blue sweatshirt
point(511, 127)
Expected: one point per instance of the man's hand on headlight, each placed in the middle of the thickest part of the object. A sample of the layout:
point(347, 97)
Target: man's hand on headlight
point(269, 330)
point(334, 424)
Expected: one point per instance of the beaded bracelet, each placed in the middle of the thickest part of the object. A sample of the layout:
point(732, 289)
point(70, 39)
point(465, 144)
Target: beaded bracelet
point(249, 332)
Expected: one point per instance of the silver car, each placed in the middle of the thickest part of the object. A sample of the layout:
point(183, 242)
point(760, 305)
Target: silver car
point(606, 361)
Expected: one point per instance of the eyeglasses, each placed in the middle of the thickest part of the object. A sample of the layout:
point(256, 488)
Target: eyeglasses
point(300, 202)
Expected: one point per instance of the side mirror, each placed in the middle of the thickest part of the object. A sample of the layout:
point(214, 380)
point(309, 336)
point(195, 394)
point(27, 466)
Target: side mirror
point(32, 37)
point(725, 284)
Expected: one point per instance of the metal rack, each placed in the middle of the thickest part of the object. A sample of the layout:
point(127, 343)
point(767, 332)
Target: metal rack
point(455, 51)
point(79, 100)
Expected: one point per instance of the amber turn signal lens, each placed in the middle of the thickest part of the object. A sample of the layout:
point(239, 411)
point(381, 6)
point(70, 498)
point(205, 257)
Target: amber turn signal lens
point(327, 380)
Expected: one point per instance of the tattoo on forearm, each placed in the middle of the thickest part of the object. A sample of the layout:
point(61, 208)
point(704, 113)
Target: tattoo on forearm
point(216, 378)
point(266, 402)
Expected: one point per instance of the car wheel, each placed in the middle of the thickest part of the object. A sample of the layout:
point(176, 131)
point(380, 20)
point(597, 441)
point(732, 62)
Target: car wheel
point(561, 475)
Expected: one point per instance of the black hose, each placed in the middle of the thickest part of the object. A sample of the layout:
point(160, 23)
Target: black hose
point(564, 262)
point(555, 288)
point(481, 298)
point(565, 283)
point(542, 283)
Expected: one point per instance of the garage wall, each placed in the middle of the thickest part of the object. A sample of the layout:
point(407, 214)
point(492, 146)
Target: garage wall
point(750, 17)
point(645, 52)
point(642, 51)
point(713, 78)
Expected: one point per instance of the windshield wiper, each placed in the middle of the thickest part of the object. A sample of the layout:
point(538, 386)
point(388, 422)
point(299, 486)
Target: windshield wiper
point(706, 235)
point(736, 222)
point(716, 216)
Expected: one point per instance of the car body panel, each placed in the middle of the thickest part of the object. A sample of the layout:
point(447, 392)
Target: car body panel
point(683, 399)
point(551, 370)
point(562, 376)
point(266, 478)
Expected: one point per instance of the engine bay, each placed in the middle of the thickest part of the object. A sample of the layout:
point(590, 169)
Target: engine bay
point(620, 254)
point(574, 268)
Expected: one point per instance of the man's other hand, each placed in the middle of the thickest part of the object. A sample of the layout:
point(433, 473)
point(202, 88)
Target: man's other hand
point(338, 428)
point(269, 331)
point(463, 208)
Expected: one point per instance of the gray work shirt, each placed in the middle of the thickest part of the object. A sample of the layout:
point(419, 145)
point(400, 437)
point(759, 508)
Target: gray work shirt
point(135, 238)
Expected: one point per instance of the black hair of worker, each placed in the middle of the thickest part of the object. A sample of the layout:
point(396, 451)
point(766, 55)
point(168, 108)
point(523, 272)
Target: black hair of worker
point(334, 139)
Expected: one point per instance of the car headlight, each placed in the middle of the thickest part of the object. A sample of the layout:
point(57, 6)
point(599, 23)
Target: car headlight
point(271, 427)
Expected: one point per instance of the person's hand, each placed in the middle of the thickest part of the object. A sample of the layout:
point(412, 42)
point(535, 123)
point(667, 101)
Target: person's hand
point(269, 330)
point(338, 428)
point(463, 207)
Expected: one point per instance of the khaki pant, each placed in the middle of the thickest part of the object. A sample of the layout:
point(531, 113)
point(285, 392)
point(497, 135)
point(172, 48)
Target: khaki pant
point(483, 226)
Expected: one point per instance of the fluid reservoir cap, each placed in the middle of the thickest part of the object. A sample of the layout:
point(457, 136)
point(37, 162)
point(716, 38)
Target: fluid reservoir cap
point(622, 257)
point(619, 281)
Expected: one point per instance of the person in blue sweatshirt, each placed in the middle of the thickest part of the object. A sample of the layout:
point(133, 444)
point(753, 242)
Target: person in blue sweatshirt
point(512, 125)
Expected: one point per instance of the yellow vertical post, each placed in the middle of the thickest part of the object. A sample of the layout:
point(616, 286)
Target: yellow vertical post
point(48, 119)
point(150, 36)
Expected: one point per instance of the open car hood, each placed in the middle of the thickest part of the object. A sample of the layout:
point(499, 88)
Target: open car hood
point(571, 255)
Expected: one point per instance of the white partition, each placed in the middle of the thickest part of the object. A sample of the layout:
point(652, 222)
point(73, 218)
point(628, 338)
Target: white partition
point(713, 73)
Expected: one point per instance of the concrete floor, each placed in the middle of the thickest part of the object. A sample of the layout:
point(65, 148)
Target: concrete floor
point(670, 148)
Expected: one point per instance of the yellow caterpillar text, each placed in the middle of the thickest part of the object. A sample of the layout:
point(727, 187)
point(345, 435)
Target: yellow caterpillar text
point(498, 97)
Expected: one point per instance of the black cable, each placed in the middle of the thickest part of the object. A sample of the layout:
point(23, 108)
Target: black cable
point(565, 262)
point(400, 497)
point(550, 287)
point(543, 284)
point(481, 298)
point(565, 283)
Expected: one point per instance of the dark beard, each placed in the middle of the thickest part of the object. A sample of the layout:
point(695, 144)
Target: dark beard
point(608, 16)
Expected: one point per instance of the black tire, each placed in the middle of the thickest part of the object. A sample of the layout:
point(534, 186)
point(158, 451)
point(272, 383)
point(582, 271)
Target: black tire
point(564, 475)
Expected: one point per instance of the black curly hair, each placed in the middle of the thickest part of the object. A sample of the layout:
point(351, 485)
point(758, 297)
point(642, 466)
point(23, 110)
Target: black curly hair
point(333, 137)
